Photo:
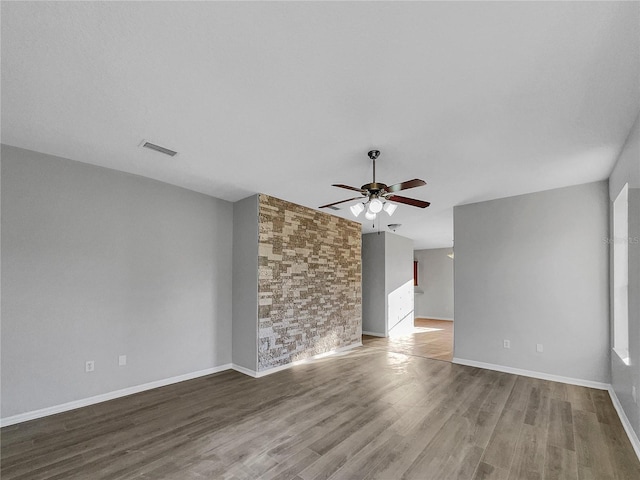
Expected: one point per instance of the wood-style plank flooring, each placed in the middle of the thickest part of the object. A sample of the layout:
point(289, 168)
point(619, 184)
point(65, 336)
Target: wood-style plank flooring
point(430, 339)
point(366, 414)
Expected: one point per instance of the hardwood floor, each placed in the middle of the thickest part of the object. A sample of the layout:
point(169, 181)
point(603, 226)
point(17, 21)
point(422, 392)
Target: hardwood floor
point(365, 414)
point(430, 339)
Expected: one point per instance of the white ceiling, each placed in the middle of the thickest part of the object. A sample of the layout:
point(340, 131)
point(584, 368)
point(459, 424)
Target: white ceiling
point(481, 100)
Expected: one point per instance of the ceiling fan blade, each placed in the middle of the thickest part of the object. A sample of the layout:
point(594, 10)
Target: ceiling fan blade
point(341, 201)
point(408, 201)
point(416, 182)
point(348, 187)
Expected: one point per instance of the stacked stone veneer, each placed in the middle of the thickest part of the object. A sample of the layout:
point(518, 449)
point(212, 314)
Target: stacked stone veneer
point(309, 283)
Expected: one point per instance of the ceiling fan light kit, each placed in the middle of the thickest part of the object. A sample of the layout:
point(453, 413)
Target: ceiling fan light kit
point(378, 195)
point(375, 206)
point(390, 208)
point(356, 209)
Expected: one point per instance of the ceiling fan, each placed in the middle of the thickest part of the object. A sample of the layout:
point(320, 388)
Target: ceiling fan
point(379, 196)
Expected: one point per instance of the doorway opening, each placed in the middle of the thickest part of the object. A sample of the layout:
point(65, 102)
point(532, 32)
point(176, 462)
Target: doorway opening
point(429, 338)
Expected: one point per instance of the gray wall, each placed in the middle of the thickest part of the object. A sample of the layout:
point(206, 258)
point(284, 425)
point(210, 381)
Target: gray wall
point(387, 265)
point(398, 260)
point(625, 377)
point(534, 269)
point(98, 263)
point(435, 279)
point(245, 283)
point(373, 284)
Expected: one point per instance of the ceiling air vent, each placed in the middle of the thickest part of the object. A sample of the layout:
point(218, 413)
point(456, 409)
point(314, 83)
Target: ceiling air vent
point(158, 148)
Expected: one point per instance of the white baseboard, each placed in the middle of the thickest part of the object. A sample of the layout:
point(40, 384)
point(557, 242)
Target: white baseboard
point(246, 371)
point(65, 407)
point(631, 434)
point(307, 360)
point(633, 438)
point(532, 374)
point(84, 402)
point(431, 317)
point(373, 334)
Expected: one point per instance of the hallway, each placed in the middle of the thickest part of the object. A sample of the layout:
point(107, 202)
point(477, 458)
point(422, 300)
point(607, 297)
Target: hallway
point(430, 339)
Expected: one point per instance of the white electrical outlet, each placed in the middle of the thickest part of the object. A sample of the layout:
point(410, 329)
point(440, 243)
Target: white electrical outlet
point(539, 348)
point(506, 343)
point(122, 360)
point(89, 366)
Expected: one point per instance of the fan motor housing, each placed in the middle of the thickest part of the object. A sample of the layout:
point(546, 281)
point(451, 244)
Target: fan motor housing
point(374, 188)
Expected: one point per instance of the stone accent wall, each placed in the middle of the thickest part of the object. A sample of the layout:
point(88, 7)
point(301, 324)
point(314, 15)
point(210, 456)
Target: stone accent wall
point(309, 283)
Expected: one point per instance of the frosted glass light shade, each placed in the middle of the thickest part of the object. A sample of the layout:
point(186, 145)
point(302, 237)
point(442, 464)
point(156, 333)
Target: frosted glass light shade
point(390, 208)
point(357, 209)
point(375, 205)
point(370, 216)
